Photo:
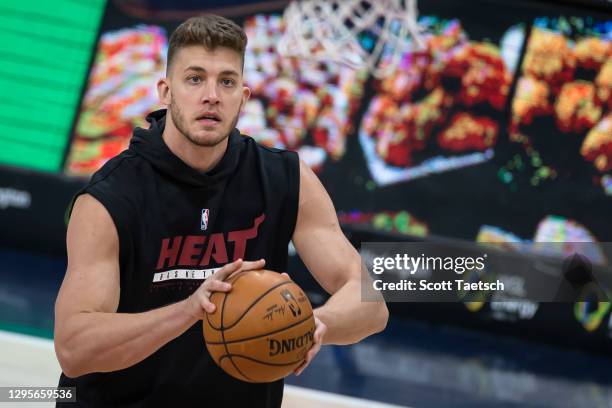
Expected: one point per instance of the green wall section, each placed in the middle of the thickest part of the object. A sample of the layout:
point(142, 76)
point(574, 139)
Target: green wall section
point(45, 48)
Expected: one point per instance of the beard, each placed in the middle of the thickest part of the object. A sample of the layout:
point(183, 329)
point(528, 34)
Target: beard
point(182, 124)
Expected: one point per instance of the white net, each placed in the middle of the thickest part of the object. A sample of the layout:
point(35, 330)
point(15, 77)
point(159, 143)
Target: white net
point(357, 33)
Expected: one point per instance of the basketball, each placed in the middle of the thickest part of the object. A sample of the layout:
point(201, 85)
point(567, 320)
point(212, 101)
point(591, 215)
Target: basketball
point(262, 329)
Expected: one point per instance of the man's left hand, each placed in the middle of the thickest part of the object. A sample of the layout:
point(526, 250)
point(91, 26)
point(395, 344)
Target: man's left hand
point(320, 330)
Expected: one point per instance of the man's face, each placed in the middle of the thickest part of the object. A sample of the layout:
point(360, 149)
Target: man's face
point(204, 93)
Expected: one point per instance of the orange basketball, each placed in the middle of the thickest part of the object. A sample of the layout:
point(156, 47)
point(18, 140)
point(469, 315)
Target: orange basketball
point(262, 329)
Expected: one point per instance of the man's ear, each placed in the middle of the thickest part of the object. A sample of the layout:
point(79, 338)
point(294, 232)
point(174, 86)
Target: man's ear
point(246, 94)
point(163, 91)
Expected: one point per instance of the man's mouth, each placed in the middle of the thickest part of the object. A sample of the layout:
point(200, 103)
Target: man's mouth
point(209, 118)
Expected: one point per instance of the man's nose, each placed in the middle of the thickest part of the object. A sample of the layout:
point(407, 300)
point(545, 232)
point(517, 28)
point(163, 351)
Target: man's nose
point(210, 93)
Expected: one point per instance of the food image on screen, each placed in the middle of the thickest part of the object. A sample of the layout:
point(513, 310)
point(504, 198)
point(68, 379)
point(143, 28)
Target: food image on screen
point(576, 108)
point(530, 100)
point(549, 58)
point(122, 90)
point(563, 92)
point(603, 82)
point(439, 110)
point(297, 104)
point(467, 132)
point(597, 146)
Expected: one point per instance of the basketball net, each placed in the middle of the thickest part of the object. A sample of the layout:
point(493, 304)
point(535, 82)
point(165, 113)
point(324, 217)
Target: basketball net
point(361, 34)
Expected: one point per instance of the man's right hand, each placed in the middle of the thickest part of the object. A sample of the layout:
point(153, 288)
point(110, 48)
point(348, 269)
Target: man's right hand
point(199, 302)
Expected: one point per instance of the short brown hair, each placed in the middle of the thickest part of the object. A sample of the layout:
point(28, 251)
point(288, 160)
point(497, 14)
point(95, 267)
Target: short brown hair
point(210, 31)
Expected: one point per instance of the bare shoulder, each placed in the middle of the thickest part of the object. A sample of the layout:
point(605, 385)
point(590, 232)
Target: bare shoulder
point(91, 282)
point(91, 227)
point(314, 200)
point(88, 211)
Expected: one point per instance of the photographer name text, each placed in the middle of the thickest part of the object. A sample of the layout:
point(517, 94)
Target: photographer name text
point(446, 285)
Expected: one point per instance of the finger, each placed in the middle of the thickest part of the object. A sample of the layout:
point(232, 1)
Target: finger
point(217, 286)
point(227, 270)
point(253, 265)
point(209, 307)
point(309, 357)
point(248, 266)
point(313, 351)
point(318, 334)
point(205, 303)
point(301, 368)
point(285, 275)
point(320, 330)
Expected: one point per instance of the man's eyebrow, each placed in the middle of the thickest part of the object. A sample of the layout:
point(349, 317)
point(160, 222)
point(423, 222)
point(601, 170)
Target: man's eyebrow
point(198, 68)
point(195, 68)
point(230, 72)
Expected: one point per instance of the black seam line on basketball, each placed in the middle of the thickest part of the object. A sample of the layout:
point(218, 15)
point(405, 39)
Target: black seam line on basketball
point(261, 362)
point(225, 344)
point(260, 335)
point(250, 306)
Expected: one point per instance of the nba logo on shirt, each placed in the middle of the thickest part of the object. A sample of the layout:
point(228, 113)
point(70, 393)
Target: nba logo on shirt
point(204, 219)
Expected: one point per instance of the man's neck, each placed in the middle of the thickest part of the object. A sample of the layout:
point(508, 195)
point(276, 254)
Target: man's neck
point(201, 158)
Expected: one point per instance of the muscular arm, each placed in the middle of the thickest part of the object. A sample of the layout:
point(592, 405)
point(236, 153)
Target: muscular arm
point(335, 264)
point(90, 336)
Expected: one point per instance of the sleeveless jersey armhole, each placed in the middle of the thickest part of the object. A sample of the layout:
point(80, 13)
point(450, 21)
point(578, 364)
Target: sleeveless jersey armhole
point(293, 194)
point(117, 211)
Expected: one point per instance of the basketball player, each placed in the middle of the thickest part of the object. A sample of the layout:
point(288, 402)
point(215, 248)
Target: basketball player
point(190, 195)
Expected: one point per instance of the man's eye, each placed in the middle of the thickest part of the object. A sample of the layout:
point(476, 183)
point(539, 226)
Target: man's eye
point(195, 79)
point(228, 82)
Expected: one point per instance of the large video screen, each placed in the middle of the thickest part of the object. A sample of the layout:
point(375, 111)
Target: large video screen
point(498, 131)
point(45, 49)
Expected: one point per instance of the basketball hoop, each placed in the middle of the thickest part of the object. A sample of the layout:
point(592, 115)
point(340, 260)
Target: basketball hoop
point(361, 34)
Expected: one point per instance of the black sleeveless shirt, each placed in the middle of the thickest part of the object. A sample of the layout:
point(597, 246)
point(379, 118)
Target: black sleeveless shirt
point(175, 225)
